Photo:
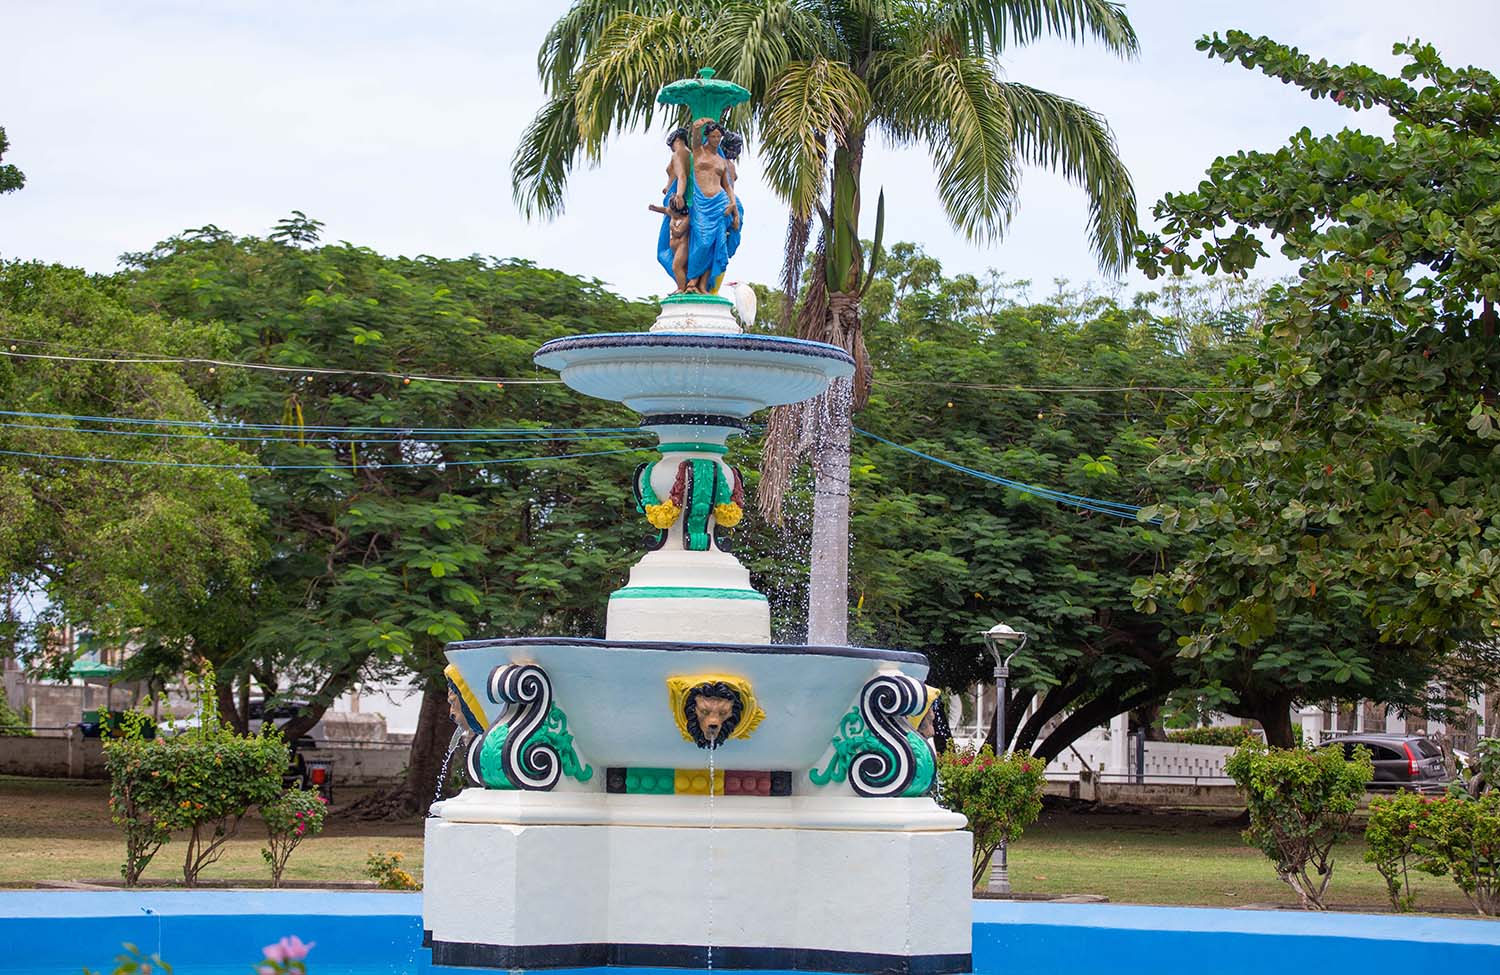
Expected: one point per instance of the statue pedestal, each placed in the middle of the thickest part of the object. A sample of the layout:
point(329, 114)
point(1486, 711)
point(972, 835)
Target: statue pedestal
point(890, 900)
point(697, 313)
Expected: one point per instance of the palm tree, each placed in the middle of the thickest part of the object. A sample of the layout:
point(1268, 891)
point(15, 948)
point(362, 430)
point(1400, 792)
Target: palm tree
point(825, 75)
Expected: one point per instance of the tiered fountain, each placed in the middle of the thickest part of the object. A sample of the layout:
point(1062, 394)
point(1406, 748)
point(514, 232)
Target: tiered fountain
point(685, 793)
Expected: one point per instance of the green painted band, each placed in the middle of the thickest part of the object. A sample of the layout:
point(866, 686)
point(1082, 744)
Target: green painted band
point(696, 300)
point(684, 592)
point(694, 448)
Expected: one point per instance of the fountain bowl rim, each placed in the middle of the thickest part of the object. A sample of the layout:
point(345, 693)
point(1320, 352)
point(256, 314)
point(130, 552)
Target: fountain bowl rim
point(700, 340)
point(782, 649)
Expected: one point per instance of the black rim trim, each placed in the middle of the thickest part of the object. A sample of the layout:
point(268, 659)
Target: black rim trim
point(694, 420)
point(775, 343)
point(463, 954)
point(787, 649)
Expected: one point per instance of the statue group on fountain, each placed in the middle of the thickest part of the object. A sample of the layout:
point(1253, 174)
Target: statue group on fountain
point(701, 216)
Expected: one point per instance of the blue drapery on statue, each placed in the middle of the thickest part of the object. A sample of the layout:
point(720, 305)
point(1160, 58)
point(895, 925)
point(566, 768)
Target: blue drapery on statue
point(708, 243)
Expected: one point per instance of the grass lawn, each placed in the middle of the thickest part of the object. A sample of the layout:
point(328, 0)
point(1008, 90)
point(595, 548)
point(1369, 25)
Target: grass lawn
point(1189, 858)
point(59, 830)
point(56, 830)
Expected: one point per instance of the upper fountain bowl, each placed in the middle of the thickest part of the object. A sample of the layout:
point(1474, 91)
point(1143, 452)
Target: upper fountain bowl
point(658, 373)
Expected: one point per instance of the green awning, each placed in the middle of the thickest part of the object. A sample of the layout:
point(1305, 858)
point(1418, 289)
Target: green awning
point(90, 668)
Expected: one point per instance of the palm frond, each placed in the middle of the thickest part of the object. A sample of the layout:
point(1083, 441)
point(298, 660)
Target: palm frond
point(953, 102)
point(571, 39)
point(797, 232)
point(546, 153)
point(1075, 141)
point(809, 103)
point(753, 42)
point(634, 58)
point(990, 26)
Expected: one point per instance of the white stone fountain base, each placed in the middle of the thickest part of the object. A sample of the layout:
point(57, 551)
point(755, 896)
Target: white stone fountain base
point(506, 896)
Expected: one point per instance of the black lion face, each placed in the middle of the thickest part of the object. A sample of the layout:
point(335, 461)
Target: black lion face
point(713, 711)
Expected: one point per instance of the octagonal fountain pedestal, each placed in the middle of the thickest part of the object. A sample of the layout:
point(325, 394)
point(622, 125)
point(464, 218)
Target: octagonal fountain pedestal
point(684, 793)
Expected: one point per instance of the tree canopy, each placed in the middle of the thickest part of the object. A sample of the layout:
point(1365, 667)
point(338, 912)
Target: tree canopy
point(11, 178)
point(120, 526)
point(404, 512)
point(1352, 474)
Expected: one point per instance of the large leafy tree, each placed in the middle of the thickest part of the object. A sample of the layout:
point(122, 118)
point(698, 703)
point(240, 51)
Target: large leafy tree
point(387, 541)
point(1069, 393)
point(1353, 476)
point(825, 78)
point(124, 529)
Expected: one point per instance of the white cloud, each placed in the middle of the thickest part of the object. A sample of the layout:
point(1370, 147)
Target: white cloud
point(395, 125)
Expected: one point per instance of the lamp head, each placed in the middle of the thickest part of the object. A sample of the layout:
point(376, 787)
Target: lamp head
point(1000, 638)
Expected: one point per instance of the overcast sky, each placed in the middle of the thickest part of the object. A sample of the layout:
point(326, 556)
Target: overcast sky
point(394, 123)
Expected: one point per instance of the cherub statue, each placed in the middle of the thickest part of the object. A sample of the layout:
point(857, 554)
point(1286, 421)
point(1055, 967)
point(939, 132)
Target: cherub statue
point(672, 243)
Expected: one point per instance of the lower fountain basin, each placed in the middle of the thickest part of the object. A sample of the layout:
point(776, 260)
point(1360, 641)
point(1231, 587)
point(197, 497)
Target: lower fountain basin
point(658, 373)
point(619, 709)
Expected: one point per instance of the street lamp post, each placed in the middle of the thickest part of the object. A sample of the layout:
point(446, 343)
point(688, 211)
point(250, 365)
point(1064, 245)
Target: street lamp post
point(998, 639)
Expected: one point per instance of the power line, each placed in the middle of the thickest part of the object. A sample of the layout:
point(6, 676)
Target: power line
point(1009, 387)
point(307, 428)
point(541, 436)
point(127, 359)
point(1117, 509)
point(319, 467)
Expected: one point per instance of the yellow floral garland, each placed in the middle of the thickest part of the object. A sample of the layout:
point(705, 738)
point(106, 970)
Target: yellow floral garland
point(728, 515)
point(662, 515)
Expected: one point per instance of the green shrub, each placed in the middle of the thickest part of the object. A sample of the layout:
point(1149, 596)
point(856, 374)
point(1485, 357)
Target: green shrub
point(203, 781)
point(1395, 841)
point(290, 819)
point(1484, 766)
point(1300, 805)
point(1230, 736)
point(15, 724)
point(1463, 838)
point(999, 796)
point(385, 869)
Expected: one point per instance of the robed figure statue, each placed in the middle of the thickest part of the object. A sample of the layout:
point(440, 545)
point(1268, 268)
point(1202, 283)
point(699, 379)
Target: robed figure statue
point(699, 209)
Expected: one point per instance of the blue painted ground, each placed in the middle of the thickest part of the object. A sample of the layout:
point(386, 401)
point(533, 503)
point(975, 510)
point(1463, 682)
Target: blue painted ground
point(222, 932)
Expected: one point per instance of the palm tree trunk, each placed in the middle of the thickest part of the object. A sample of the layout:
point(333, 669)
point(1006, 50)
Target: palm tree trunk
point(828, 582)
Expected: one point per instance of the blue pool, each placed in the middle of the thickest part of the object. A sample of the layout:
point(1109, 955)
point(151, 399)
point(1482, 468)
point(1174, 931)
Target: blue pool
point(221, 933)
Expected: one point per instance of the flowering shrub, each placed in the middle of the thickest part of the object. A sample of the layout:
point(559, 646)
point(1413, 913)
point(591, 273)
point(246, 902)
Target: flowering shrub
point(385, 869)
point(203, 781)
point(292, 818)
point(132, 962)
point(285, 957)
point(1300, 803)
point(1463, 838)
point(999, 796)
point(137, 803)
point(1395, 842)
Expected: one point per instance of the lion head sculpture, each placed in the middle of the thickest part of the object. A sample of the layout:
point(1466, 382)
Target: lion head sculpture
point(710, 709)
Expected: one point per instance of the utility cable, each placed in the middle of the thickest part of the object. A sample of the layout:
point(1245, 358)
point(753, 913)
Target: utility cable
point(308, 428)
point(1117, 509)
point(320, 467)
point(404, 377)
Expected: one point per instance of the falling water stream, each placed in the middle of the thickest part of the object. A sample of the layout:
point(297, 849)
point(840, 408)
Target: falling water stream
point(453, 743)
point(709, 901)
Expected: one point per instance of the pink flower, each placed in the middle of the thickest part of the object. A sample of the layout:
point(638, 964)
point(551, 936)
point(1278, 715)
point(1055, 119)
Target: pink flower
point(290, 948)
point(265, 970)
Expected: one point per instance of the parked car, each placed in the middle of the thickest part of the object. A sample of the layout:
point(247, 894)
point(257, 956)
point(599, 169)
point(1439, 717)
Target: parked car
point(1402, 761)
